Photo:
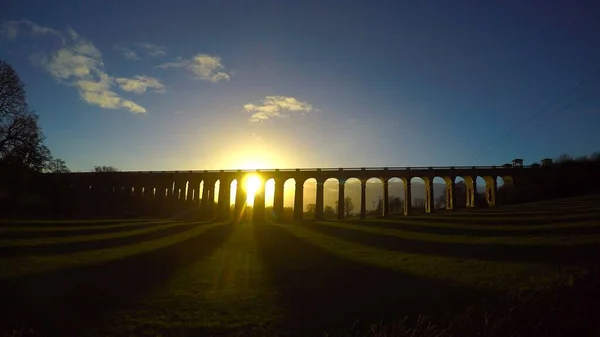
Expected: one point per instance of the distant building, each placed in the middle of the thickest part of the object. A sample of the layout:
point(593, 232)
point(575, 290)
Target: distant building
point(546, 162)
point(517, 162)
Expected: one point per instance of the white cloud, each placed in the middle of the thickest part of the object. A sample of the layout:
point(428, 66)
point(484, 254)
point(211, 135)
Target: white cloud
point(127, 53)
point(277, 107)
point(139, 84)
point(202, 66)
point(78, 63)
point(151, 49)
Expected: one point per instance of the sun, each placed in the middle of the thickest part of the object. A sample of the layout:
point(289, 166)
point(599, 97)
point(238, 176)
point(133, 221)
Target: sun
point(253, 185)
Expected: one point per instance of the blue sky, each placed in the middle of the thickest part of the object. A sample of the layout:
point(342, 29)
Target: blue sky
point(166, 85)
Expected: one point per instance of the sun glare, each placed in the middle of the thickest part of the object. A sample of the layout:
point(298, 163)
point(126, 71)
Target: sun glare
point(253, 185)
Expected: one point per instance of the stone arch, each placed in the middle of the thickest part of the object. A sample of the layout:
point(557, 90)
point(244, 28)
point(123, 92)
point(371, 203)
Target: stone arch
point(215, 195)
point(418, 189)
point(309, 198)
point(460, 193)
point(352, 191)
point(232, 195)
point(440, 192)
point(331, 187)
point(200, 191)
point(289, 197)
point(395, 195)
point(269, 192)
point(267, 199)
point(491, 188)
point(374, 196)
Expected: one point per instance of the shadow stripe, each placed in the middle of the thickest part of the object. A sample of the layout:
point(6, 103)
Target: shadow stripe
point(561, 255)
point(77, 232)
point(71, 298)
point(483, 232)
point(80, 246)
point(324, 292)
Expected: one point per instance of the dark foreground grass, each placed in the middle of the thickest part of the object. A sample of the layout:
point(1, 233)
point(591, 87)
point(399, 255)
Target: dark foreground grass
point(418, 276)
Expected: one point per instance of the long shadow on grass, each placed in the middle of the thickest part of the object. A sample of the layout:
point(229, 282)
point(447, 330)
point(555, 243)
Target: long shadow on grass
point(561, 231)
point(68, 223)
point(567, 255)
point(525, 220)
point(69, 299)
point(45, 233)
point(81, 246)
point(322, 292)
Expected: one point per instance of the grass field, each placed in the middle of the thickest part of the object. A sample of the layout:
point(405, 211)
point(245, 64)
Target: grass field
point(531, 268)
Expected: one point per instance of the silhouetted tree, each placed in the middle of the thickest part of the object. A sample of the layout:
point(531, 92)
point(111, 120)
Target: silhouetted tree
point(329, 212)
point(310, 210)
point(21, 138)
point(563, 158)
point(57, 165)
point(348, 206)
point(103, 168)
point(396, 205)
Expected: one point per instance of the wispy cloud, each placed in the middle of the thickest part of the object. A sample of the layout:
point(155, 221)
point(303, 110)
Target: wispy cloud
point(277, 107)
point(141, 50)
point(79, 63)
point(152, 50)
point(15, 28)
point(139, 84)
point(178, 112)
point(127, 53)
point(202, 66)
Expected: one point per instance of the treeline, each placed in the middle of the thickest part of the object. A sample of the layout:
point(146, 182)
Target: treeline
point(565, 177)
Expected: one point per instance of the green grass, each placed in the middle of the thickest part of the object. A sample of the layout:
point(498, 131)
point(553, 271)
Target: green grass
point(475, 271)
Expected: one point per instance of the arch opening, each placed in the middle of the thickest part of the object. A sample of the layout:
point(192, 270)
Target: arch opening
point(309, 193)
point(396, 195)
point(330, 198)
point(440, 193)
point(289, 197)
point(232, 195)
point(460, 193)
point(417, 191)
point(269, 199)
point(374, 196)
point(352, 198)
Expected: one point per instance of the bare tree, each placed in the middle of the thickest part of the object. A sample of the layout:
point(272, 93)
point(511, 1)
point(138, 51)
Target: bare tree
point(21, 138)
point(57, 166)
point(348, 206)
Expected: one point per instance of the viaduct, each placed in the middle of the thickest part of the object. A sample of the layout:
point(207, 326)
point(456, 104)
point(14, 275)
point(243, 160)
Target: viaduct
point(177, 192)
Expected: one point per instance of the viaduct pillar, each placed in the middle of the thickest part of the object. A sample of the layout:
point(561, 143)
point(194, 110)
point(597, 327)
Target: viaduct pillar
point(363, 199)
point(319, 202)
point(386, 198)
point(471, 185)
point(407, 197)
point(340, 210)
point(298, 200)
point(240, 201)
point(450, 198)
point(223, 201)
point(258, 210)
point(429, 203)
point(491, 186)
point(278, 199)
